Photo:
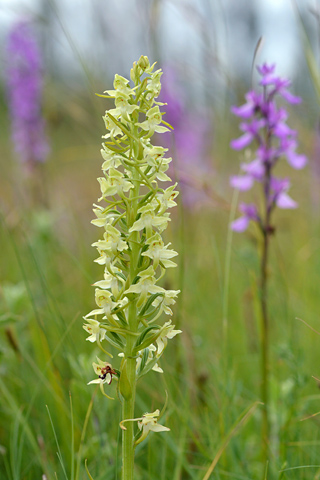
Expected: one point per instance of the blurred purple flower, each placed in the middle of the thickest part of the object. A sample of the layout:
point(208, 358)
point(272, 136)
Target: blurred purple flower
point(249, 213)
point(24, 80)
point(189, 144)
point(266, 124)
point(242, 182)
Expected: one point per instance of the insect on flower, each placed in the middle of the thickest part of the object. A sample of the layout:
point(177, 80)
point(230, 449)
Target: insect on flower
point(107, 370)
point(104, 371)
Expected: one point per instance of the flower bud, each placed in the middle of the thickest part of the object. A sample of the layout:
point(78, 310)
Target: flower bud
point(143, 62)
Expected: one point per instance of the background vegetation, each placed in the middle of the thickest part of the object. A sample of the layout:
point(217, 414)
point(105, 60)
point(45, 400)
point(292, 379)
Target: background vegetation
point(50, 419)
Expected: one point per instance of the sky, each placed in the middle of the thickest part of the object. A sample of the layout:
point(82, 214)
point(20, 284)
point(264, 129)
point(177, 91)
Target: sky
point(205, 34)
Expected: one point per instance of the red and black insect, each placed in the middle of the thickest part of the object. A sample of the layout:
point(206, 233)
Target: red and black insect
point(105, 371)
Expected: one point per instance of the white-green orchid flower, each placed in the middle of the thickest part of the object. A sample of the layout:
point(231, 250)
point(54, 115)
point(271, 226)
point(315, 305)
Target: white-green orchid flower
point(104, 371)
point(154, 84)
point(111, 160)
point(167, 332)
point(112, 241)
point(151, 356)
point(103, 217)
point(149, 218)
point(123, 107)
point(110, 281)
point(120, 84)
point(97, 333)
point(112, 127)
point(166, 199)
point(159, 173)
point(153, 155)
point(114, 184)
point(148, 423)
point(152, 124)
point(105, 257)
point(166, 300)
point(145, 285)
point(159, 253)
point(104, 301)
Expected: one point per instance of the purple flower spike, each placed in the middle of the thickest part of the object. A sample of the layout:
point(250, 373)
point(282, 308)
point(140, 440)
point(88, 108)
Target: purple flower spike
point(24, 85)
point(266, 124)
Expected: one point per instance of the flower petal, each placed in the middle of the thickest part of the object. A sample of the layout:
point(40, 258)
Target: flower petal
point(244, 111)
point(97, 380)
point(240, 225)
point(241, 142)
point(241, 182)
point(159, 428)
point(289, 97)
point(296, 161)
point(284, 201)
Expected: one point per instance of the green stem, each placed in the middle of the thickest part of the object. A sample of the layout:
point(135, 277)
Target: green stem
point(129, 401)
point(265, 326)
point(128, 413)
point(265, 368)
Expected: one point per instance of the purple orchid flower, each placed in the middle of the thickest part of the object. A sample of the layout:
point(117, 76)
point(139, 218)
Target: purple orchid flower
point(265, 123)
point(249, 213)
point(24, 79)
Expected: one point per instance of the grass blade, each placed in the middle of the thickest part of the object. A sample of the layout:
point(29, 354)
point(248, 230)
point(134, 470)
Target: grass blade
point(58, 446)
point(243, 419)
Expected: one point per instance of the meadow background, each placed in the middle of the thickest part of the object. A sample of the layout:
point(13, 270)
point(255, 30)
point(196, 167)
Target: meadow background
point(51, 421)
